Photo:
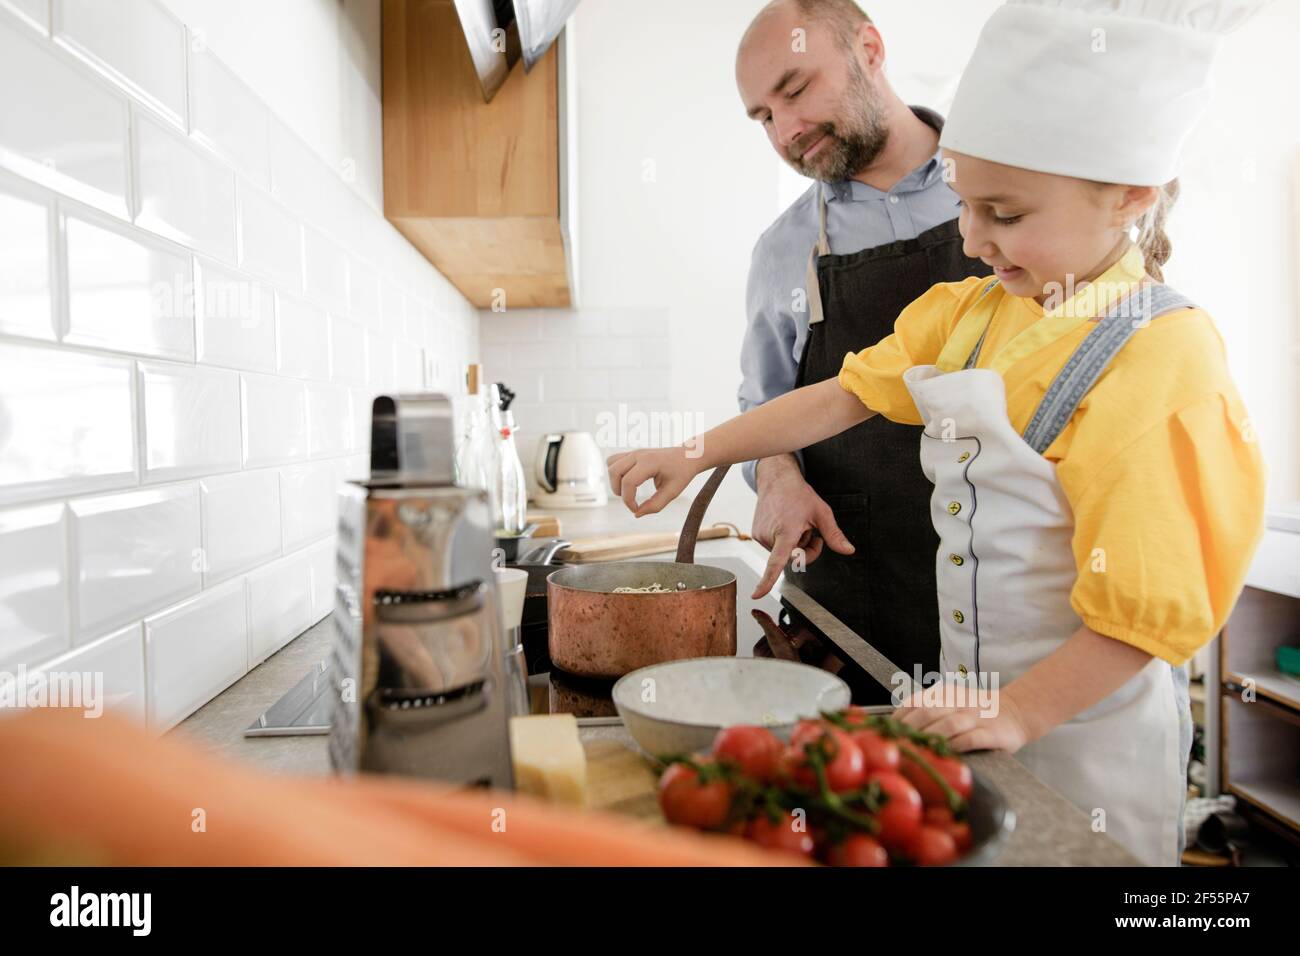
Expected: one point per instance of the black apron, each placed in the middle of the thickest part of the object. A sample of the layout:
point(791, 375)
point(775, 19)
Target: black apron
point(870, 475)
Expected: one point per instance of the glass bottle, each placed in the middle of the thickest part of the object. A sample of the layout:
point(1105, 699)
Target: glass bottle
point(511, 493)
point(476, 457)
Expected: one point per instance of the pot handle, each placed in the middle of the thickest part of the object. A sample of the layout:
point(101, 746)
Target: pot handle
point(695, 517)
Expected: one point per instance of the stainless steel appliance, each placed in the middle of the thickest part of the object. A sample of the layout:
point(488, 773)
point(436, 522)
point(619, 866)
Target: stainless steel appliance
point(501, 32)
point(417, 667)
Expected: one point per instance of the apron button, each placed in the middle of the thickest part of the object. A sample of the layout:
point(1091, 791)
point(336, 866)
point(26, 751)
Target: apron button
point(954, 507)
point(964, 456)
point(957, 559)
point(961, 669)
point(958, 616)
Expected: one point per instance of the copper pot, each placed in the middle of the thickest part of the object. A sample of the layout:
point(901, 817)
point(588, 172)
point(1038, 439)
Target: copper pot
point(594, 632)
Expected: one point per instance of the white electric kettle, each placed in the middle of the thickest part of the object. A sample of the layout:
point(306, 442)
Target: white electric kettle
point(570, 471)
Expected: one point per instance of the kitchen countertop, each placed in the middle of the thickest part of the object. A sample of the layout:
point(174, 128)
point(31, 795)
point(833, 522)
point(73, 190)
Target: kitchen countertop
point(1049, 831)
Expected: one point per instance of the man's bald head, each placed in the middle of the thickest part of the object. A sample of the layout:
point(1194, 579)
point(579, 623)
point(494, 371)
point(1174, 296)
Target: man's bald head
point(840, 18)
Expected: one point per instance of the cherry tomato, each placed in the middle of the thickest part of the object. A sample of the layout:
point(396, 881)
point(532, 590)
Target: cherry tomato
point(959, 830)
point(931, 846)
point(806, 731)
point(900, 816)
point(688, 802)
point(880, 753)
point(753, 750)
point(783, 835)
point(820, 837)
point(848, 768)
point(792, 770)
point(951, 769)
point(958, 775)
point(858, 850)
point(845, 768)
point(961, 835)
point(855, 714)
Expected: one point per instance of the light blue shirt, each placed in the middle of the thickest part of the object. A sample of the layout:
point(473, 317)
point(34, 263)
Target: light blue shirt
point(858, 217)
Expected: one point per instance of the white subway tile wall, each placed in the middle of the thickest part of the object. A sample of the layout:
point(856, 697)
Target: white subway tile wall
point(325, 271)
point(275, 420)
point(329, 410)
point(195, 650)
point(567, 366)
point(349, 351)
point(25, 280)
point(279, 604)
point(270, 240)
point(235, 320)
point(34, 12)
point(148, 59)
point(120, 658)
point(228, 117)
point(308, 496)
point(126, 291)
point(33, 583)
point(69, 422)
point(195, 313)
point(183, 192)
point(241, 522)
point(134, 552)
point(304, 350)
point(191, 420)
point(66, 130)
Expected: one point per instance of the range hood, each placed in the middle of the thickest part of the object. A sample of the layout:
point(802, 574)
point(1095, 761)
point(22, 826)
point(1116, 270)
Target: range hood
point(501, 32)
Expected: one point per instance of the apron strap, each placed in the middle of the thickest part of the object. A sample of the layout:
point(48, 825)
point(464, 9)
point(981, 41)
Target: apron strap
point(1094, 354)
point(979, 344)
point(812, 287)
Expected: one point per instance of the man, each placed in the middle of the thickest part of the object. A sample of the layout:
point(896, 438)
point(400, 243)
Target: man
point(812, 72)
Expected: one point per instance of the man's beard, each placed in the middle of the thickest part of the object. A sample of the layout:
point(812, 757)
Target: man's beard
point(854, 141)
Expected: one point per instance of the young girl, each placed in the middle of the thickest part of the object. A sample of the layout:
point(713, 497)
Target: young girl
point(1097, 490)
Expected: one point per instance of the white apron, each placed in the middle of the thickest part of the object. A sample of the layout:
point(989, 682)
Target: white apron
point(1005, 570)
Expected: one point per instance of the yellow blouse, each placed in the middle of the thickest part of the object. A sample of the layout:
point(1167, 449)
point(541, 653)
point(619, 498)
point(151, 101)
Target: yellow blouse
point(1160, 464)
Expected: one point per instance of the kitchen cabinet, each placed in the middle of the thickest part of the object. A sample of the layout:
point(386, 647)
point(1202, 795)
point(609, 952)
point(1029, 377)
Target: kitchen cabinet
point(481, 189)
point(1259, 705)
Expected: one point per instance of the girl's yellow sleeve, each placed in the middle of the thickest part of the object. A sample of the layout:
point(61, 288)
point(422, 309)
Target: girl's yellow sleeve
point(1165, 531)
point(875, 375)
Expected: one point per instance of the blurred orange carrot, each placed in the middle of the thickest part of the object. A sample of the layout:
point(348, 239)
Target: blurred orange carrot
point(107, 791)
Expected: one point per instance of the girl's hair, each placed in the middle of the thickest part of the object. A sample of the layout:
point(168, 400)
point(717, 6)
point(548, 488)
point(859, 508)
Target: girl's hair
point(1151, 239)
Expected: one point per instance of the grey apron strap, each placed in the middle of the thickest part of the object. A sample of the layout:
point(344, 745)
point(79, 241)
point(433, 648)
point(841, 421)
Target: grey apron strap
point(812, 287)
point(975, 352)
point(1095, 352)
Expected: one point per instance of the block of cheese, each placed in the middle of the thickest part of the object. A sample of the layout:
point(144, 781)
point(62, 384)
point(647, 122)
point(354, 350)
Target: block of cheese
point(548, 757)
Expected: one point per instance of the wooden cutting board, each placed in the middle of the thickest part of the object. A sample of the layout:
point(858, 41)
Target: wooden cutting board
point(622, 546)
point(548, 526)
point(619, 780)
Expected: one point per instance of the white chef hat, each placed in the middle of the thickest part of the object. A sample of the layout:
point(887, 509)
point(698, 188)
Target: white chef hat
point(1106, 90)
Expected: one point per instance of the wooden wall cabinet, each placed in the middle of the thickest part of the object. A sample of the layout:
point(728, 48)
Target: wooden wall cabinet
point(475, 186)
